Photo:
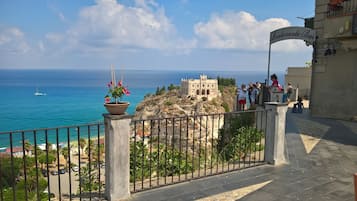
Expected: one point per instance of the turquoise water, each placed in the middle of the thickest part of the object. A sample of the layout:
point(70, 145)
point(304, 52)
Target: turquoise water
point(76, 96)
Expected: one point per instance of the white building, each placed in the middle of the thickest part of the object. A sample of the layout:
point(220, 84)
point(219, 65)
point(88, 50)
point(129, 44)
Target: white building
point(199, 88)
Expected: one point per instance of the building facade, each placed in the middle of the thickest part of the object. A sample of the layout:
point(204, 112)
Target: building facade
point(334, 64)
point(199, 88)
point(300, 78)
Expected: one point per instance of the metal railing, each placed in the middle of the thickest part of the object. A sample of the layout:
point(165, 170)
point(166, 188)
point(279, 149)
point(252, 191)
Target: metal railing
point(344, 8)
point(67, 163)
point(63, 163)
point(172, 150)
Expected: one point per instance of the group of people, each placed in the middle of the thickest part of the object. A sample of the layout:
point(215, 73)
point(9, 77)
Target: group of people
point(248, 97)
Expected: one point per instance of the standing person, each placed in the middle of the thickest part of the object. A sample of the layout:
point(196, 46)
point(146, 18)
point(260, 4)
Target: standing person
point(289, 91)
point(275, 82)
point(253, 96)
point(242, 98)
point(250, 89)
point(237, 95)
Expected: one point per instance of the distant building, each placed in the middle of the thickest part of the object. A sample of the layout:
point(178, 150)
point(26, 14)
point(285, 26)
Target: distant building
point(199, 88)
point(334, 64)
point(17, 151)
point(299, 77)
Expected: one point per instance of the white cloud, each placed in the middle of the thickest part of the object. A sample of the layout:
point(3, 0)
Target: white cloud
point(54, 37)
point(241, 30)
point(12, 40)
point(111, 26)
point(41, 46)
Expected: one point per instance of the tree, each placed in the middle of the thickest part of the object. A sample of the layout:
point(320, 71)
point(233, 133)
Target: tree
point(6, 169)
point(92, 146)
point(172, 87)
point(64, 152)
point(28, 146)
point(42, 159)
point(238, 137)
point(98, 150)
point(226, 81)
point(89, 179)
point(82, 143)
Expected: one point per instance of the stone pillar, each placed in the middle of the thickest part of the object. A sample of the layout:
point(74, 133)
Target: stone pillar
point(261, 118)
point(117, 156)
point(275, 133)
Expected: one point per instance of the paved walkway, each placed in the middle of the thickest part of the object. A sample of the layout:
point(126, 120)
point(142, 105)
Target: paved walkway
point(322, 156)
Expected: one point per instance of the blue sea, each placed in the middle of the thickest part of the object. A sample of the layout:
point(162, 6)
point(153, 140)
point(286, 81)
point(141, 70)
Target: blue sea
point(76, 96)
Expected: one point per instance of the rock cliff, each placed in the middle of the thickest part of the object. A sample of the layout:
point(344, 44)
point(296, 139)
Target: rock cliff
point(171, 104)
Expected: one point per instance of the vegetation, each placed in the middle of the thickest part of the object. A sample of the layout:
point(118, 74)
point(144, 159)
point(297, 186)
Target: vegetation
point(225, 106)
point(226, 81)
point(7, 179)
point(168, 103)
point(89, 179)
point(163, 161)
point(239, 137)
point(160, 91)
point(236, 140)
point(147, 95)
point(172, 87)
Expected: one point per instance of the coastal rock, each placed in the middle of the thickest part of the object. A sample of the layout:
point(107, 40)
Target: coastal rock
point(202, 119)
point(171, 104)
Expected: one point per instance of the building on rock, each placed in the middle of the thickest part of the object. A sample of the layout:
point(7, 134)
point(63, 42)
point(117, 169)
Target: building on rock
point(200, 88)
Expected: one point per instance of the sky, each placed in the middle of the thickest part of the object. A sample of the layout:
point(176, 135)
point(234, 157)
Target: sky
point(150, 34)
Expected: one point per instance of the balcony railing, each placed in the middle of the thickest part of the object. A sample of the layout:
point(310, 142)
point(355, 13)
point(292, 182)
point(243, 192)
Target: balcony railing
point(67, 163)
point(52, 163)
point(172, 150)
point(342, 8)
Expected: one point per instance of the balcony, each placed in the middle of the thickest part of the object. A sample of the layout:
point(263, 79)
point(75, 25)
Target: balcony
point(338, 8)
point(69, 163)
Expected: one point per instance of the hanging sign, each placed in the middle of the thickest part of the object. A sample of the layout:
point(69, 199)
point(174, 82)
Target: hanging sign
point(302, 33)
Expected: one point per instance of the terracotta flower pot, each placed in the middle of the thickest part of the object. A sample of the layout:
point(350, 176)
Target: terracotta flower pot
point(116, 108)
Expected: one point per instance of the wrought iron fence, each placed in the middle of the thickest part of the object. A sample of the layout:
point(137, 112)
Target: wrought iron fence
point(67, 163)
point(64, 163)
point(172, 150)
point(342, 8)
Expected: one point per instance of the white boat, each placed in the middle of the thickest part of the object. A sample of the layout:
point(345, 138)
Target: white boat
point(38, 93)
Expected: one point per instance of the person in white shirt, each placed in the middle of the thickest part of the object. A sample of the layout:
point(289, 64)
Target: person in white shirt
point(242, 98)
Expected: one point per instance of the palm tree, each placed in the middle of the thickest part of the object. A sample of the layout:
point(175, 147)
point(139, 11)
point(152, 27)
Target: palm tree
point(64, 152)
point(28, 147)
point(82, 143)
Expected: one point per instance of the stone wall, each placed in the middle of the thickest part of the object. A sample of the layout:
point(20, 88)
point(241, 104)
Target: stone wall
point(334, 72)
point(299, 77)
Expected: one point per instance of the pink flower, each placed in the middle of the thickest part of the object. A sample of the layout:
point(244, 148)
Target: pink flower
point(126, 91)
point(120, 83)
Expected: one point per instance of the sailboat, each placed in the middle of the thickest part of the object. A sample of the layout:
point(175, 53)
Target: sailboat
point(38, 93)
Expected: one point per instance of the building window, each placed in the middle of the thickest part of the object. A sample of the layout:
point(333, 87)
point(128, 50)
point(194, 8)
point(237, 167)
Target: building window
point(198, 92)
point(207, 91)
point(193, 85)
point(203, 85)
point(203, 92)
point(198, 86)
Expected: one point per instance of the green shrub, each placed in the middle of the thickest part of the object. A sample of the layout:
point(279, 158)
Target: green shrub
point(244, 140)
point(168, 103)
point(225, 106)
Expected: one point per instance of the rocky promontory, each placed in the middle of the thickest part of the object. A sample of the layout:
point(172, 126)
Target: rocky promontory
point(171, 104)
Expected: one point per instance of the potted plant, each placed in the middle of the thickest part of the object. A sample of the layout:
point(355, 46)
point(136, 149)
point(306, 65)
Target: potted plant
point(112, 99)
